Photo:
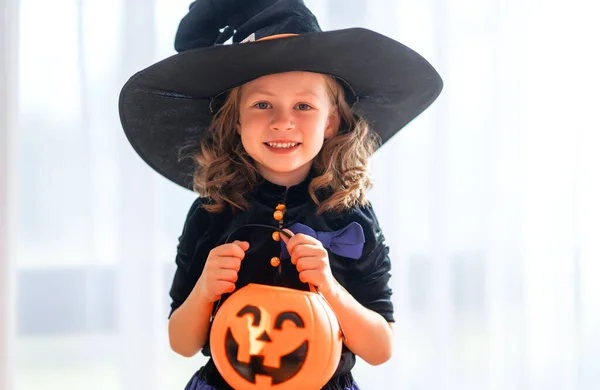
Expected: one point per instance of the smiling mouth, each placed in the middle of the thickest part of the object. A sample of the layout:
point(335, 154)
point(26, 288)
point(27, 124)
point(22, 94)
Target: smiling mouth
point(282, 145)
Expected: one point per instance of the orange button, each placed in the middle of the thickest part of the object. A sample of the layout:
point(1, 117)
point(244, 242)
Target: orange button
point(278, 215)
point(275, 261)
point(280, 207)
point(276, 236)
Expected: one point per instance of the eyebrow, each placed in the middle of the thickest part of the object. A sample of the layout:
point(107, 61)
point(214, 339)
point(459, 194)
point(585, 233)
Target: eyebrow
point(268, 93)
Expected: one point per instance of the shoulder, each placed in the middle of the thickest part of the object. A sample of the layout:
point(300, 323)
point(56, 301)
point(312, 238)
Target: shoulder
point(201, 222)
point(198, 220)
point(198, 227)
point(197, 211)
point(363, 215)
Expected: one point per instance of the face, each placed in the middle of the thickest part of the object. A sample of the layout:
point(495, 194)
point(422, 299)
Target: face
point(284, 120)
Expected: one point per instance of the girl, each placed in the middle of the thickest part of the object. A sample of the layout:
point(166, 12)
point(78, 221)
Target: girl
point(280, 125)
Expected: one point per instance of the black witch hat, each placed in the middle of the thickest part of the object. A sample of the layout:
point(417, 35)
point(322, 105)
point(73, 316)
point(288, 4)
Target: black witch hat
point(167, 106)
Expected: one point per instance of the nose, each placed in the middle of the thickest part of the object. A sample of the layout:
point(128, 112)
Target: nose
point(265, 337)
point(282, 120)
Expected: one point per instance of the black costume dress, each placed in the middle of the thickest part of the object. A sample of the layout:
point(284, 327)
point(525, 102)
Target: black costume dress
point(366, 277)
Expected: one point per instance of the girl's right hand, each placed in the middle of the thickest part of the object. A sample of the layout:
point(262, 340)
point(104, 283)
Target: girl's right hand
point(221, 270)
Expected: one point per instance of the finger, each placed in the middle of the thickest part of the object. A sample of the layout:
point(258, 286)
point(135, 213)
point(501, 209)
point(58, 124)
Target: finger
point(230, 262)
point(226, 275)
point(295, 256)
point(308, 263)
point(304, 250)
point(222, 287)
point(244, 245)
point(312, 277)
point(300, 239)
point(232, 249)
point(285, 238)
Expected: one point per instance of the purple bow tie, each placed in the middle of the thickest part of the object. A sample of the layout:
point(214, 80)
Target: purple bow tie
point(346, 242)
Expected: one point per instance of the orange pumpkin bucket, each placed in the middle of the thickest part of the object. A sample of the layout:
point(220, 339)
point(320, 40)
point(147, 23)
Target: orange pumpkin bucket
point(270, 337)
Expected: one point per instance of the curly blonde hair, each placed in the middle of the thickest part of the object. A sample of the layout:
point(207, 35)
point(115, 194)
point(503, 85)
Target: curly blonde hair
point(226, 173)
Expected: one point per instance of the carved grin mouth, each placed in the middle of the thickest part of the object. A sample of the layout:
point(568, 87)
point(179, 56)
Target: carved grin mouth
point(290, 364)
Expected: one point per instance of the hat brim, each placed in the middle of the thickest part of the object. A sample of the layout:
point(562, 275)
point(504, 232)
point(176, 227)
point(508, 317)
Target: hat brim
point(164, 108)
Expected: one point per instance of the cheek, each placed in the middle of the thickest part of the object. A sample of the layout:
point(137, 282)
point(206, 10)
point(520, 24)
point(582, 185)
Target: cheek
point(252, 124)
point(249, 146)
point(250, 134)
point(315, 131)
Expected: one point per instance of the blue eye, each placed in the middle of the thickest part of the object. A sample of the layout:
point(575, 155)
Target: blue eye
point(262, 105)
point(303, 107)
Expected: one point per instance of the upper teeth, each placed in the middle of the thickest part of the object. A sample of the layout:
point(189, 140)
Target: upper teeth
point(282, 145)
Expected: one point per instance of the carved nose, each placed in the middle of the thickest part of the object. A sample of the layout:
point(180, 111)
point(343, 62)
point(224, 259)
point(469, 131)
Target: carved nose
point(264, 337)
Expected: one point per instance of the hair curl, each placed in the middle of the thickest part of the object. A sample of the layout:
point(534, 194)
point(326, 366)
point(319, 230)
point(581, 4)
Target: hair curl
point(225, 172)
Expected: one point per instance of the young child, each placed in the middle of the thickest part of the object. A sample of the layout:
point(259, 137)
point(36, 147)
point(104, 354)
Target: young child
point(280, 126)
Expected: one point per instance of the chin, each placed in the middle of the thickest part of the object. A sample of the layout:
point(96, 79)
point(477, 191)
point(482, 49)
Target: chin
point(285, 168)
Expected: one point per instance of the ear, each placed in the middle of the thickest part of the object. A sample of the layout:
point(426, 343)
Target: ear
point(333, 123)
point(238, 128)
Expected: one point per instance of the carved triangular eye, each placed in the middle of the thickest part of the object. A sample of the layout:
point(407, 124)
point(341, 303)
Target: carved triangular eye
point(290, 316)
point(250, 309)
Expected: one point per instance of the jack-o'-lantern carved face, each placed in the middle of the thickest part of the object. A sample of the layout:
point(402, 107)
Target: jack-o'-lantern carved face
point(266, 337)
point(275, 347)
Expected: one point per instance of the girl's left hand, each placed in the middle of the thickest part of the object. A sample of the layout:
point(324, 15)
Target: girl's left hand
point(311, 260)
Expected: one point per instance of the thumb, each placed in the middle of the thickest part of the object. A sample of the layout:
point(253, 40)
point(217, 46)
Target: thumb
point(242, 244)
point(286, 235)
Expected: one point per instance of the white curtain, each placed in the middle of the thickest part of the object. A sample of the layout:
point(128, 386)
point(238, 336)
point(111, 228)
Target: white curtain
point(489, 200)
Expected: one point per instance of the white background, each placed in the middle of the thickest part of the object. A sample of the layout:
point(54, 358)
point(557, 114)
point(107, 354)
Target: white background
point(489, 200)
